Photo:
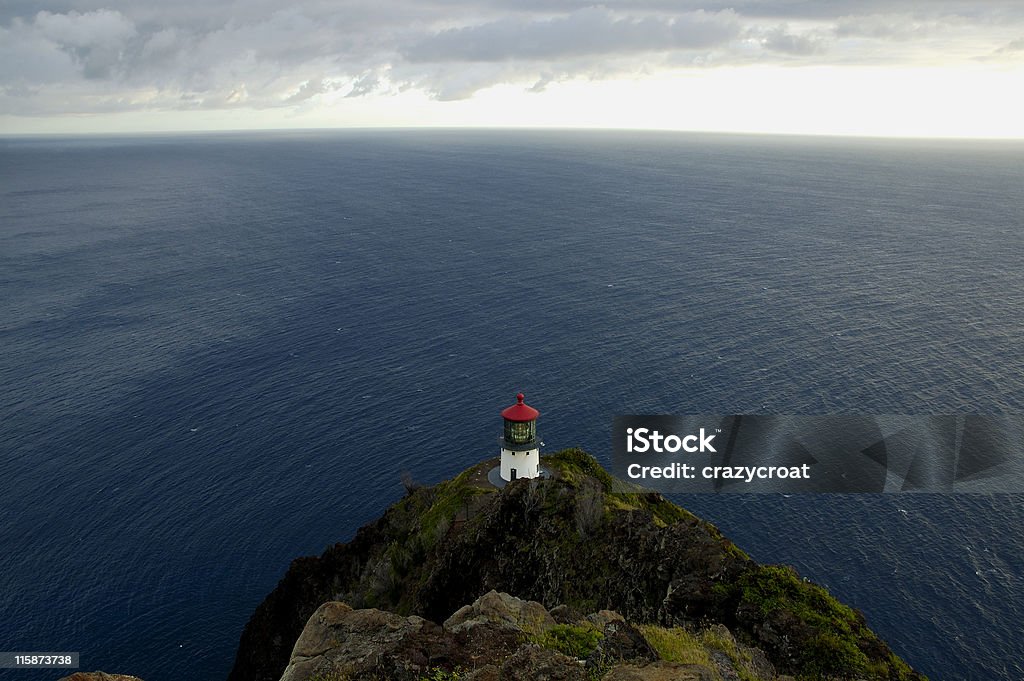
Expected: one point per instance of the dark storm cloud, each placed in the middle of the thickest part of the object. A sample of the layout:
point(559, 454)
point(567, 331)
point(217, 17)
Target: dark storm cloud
point(69, 56)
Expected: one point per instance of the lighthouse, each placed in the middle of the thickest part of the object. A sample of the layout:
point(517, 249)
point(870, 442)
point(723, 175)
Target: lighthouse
point(520, 449)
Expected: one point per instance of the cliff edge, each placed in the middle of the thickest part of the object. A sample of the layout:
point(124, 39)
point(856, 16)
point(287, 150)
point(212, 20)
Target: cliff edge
point(572, 546)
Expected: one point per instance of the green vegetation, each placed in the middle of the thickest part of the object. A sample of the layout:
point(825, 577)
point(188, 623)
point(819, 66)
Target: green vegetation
point(772, 588)
point(836, 637)
point(412, 528)
point(577, 641)
point(574, 466)
point(676, 645)
point(831, 638)
point(719, 638)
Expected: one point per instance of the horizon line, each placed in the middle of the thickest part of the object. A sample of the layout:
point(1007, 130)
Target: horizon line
point(524, 128)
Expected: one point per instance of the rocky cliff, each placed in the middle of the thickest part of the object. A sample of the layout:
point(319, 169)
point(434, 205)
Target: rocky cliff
point(503, 637)
point(573, 546)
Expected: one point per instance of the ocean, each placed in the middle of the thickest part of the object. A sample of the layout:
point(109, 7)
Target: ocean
point(222, 351)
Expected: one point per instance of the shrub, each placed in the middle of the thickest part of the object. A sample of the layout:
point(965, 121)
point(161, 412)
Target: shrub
point(577, 641)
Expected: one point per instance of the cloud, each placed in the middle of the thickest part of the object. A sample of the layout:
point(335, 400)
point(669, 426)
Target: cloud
point(311, 88)
point(590, 31)
point(95, 39)
point(75, 29)
point(542, 83)
point(1013, 46)
point(905, 27)
point(882, 26)
point(782, 41)
point(81, 56)
point(364, 85)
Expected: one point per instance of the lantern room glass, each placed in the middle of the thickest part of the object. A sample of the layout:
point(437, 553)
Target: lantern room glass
point(520, 432)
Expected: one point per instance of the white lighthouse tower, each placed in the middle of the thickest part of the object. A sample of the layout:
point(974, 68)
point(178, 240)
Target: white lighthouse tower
point(520, 448)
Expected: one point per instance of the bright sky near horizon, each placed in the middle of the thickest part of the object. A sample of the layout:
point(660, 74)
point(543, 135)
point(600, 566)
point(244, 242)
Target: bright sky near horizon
point(944, 68)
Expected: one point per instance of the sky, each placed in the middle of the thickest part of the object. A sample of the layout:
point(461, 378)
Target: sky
point(935, 68)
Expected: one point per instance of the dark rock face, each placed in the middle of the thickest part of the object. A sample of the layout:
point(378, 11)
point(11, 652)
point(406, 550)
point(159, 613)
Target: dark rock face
point(622, 642)
point(565, 542)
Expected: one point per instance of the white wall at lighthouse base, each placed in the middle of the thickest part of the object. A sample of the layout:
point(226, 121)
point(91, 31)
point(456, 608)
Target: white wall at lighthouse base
point(527, 464)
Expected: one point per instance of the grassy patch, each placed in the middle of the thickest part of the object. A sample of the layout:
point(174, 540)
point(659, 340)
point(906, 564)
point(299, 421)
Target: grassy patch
point(619, 502)
point(574, 463)
point(577, 641)
point(676, 645)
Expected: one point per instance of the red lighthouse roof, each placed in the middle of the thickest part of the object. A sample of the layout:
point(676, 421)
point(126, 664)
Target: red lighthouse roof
point(519, 411)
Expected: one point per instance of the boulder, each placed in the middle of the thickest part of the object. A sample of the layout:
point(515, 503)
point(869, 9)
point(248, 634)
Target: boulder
point(337, 637)
point(622, 642)
point(503, 610)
